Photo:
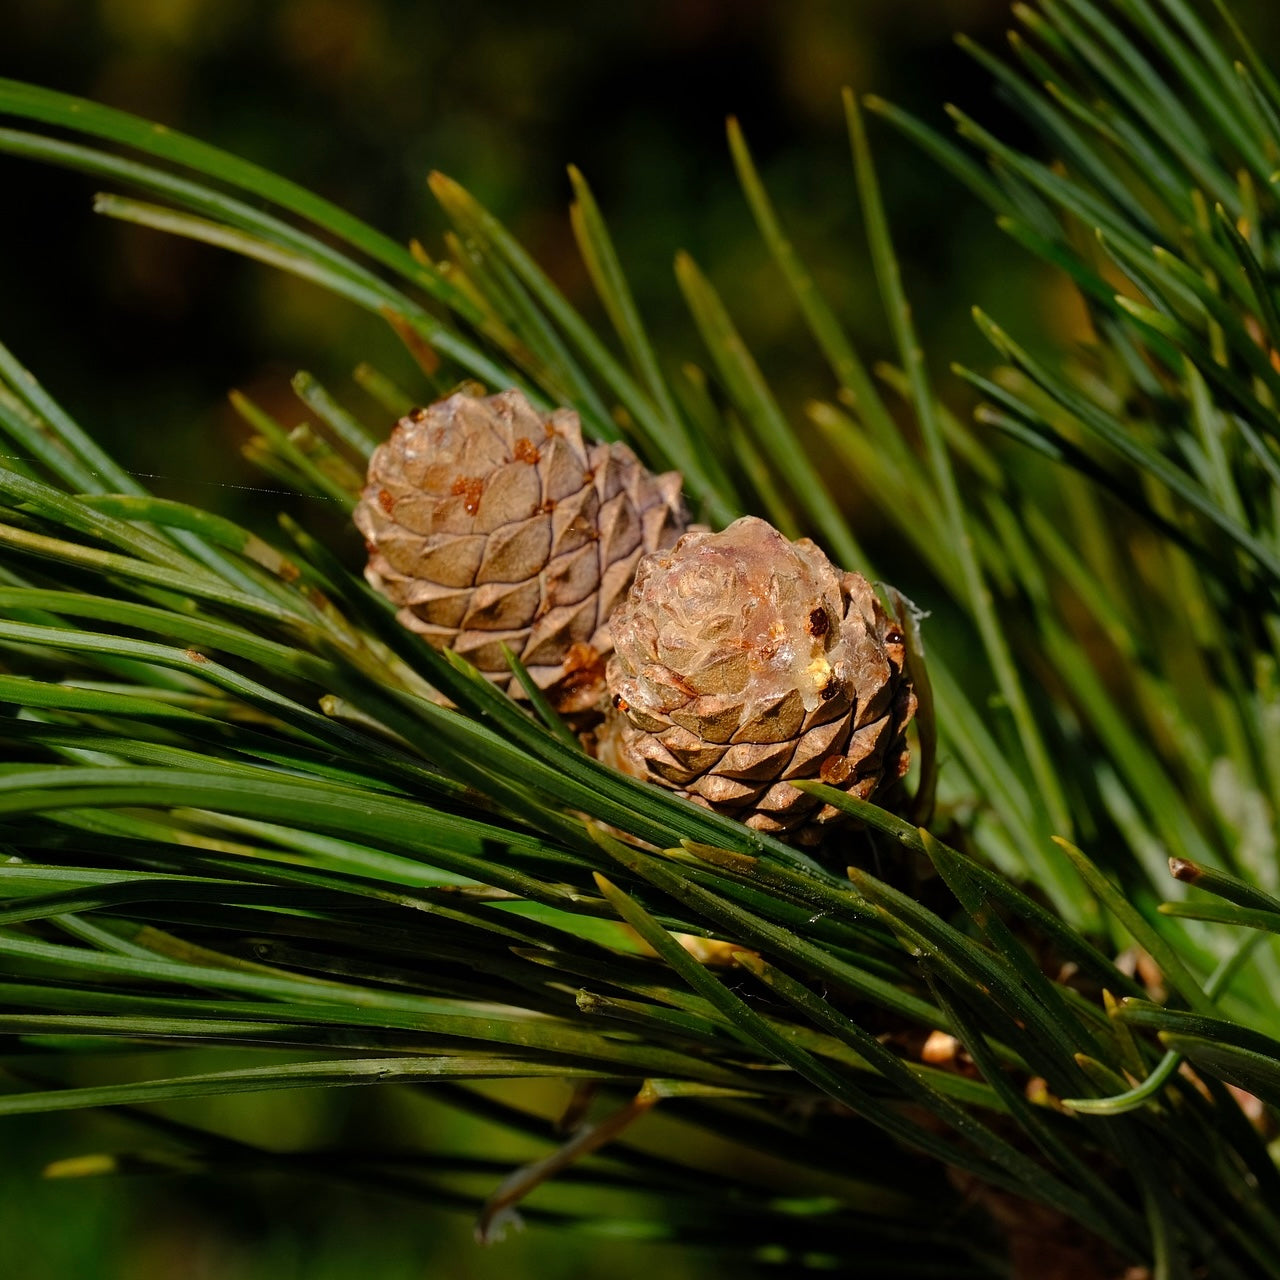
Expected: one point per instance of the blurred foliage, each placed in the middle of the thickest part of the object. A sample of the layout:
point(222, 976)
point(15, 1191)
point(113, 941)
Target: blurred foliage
point(361, 99)
point(284, 1227)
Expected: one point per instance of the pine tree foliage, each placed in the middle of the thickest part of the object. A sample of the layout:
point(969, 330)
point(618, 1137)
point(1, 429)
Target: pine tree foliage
point(237, 817)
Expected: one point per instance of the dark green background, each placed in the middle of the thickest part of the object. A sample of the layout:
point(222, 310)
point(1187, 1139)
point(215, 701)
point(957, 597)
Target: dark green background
point(141, 336)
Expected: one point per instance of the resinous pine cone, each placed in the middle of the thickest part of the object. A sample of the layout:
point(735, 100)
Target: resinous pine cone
point(488, 522)
point(742, 660)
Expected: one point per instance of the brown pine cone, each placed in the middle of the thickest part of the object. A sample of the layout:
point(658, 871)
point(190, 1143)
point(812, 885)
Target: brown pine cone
point(742, 660)
point(488, 522)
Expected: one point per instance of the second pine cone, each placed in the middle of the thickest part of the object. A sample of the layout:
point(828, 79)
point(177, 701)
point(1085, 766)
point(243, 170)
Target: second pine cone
point(743, 660)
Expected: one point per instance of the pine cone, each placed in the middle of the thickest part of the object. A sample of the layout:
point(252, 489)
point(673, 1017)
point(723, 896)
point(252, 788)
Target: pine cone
point(743, 660)
point(490, 523)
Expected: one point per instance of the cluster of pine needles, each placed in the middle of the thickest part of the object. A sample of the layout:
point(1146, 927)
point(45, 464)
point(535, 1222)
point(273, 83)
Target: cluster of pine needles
point(236, 817)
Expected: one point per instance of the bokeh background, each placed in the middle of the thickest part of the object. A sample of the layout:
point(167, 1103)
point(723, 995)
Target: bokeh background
point(142, 335)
